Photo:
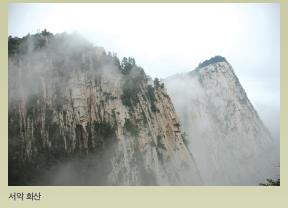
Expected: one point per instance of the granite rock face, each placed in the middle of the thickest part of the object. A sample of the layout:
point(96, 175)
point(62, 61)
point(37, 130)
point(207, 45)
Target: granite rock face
point(230, 143)
point(77, 116)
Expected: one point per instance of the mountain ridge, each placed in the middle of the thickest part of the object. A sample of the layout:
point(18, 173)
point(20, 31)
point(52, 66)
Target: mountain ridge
point(79, 116)
point(216, 115)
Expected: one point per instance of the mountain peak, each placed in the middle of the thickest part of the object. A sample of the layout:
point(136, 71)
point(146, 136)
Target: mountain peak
point(91, 120)
point(212, 60)
point(223, 128)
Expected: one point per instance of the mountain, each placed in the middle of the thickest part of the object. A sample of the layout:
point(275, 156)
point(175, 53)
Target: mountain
point(230, 143)
point(77, 116)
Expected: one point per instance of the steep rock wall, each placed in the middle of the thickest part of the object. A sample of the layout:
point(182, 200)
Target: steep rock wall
point(78, 117)
point(230, 143)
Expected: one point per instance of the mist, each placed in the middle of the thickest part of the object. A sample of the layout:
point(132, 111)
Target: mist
point(218, 137)
point(79, 116)
point(172, 39)
point(249, 39)
point(42, 70)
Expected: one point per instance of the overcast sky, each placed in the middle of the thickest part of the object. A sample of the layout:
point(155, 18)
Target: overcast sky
point(166, 39)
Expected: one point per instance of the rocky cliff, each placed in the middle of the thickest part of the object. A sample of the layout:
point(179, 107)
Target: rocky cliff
point(77, 116)
point(230, 144)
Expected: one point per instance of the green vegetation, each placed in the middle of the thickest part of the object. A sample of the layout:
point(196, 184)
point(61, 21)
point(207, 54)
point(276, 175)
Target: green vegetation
point(65, 54)
point(131, 127)
point(104, 129)
point(151, 95)
point(104, 134)
point(271, 182)
point(127, 64)
point(152, 98)
point(130, 93)
point(133, 77)
point(211, 61)
point(28, 43)
point(156, 83)
point(13, 45)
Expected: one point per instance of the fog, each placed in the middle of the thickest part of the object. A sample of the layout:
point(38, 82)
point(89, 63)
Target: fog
point(174, 38)
point(63, 55)
point(165, 39)
point(44, 70)
point(222, 139)
point(82, 170)
point(61, 89)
